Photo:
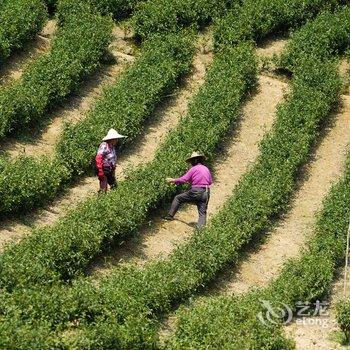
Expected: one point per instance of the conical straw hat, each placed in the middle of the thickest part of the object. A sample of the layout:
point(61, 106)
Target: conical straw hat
point(195, 155)
point(112, 135)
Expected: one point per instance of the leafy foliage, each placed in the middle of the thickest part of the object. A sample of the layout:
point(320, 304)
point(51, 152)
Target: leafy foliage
point(118, 8)
point(157, 16)
point(76, 51)
point(343, 317)
point(255, 19)
point(20, 21)
point(323, 38)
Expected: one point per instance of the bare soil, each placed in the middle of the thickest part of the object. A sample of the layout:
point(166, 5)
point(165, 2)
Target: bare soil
point(13, 68)
point(166, 117)
point(271, 47)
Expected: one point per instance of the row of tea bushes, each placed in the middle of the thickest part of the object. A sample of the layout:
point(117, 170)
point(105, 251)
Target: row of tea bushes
point(322, 38)
point(77, 50)
point(256, 19)
point(158, 16)
point(20, 21)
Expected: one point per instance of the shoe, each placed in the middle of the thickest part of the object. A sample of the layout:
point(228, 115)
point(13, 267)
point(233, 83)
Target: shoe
point(168, 218)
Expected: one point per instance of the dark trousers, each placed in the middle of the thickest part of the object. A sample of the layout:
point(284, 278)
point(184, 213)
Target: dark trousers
point(107, 178)
point(197, 195)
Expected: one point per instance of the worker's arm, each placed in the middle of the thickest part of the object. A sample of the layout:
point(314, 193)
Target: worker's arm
point(99, 164)
point(99, 159)
point(183, 179)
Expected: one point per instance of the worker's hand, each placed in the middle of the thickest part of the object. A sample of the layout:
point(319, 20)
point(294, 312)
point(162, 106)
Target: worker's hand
point(169, 180)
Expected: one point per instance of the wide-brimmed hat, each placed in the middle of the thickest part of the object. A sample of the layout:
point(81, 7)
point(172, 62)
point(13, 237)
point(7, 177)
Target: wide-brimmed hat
point(113, 135)
point(195, 155)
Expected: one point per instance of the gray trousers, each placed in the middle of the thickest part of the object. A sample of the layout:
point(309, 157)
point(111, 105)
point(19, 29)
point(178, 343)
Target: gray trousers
point(197, 195)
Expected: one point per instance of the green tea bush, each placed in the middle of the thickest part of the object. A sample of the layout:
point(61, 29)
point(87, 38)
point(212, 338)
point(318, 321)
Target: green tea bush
point(323, 38)
point(76, 51)
point(118, 8)
point(20, 21)
point(255, 19)
point(225, 323)
point(26, 182)
point(64, 250)
point(156, 16)
point(125, 105)
point(44, 315)
point(343, 317)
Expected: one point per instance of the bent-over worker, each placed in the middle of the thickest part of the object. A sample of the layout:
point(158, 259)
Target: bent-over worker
point(106, 159)
point(200, 178)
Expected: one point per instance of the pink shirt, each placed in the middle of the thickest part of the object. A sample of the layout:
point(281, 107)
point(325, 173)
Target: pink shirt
point(198, 176)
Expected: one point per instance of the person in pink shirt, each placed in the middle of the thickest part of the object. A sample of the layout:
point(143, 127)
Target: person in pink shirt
point(200, 178)
point(106, 159)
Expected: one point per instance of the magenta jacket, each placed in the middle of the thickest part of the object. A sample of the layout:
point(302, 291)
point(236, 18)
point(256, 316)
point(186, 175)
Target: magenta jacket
point(198, 176)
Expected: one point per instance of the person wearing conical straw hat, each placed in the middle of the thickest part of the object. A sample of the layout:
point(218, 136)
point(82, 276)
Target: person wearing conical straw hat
point(200, 178)
point(106, 159)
